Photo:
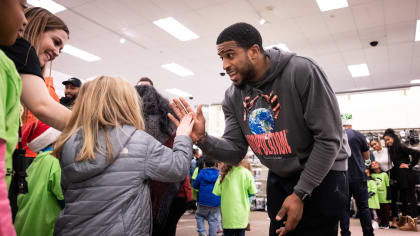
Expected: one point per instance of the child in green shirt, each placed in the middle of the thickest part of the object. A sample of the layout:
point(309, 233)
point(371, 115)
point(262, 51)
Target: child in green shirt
point(12, 23)
point(373, 201)
point(382, 182)
point(234, 186)
point(39, 208)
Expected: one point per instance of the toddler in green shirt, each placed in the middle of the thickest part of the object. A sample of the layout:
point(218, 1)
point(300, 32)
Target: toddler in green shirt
point(382, 182)
point(234, 186)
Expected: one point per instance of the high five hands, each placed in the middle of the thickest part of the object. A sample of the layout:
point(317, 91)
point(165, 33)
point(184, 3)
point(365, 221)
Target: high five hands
point(181, 109)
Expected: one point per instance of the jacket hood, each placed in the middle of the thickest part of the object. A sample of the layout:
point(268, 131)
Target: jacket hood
point(210, 174)
point(278, 61)
point(78, 171)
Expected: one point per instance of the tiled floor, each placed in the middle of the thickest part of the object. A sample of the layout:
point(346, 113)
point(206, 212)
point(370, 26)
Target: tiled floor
point(260, 223)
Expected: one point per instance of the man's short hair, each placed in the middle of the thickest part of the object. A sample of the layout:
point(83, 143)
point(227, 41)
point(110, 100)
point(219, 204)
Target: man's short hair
point(145, 79)
point(244, 34)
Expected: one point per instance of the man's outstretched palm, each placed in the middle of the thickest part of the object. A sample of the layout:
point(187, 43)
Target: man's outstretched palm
point(182, 108)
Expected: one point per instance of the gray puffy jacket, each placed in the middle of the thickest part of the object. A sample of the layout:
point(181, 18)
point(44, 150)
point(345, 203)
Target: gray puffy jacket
point(108, 199)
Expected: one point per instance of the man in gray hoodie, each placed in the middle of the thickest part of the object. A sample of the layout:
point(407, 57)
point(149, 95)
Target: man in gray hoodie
point(282, 106)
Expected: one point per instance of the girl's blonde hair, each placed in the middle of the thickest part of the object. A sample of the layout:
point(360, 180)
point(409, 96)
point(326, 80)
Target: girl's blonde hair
point(40, 21)
point(102, 103)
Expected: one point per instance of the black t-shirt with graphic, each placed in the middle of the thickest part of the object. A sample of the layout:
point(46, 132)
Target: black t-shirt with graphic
point(24, 56)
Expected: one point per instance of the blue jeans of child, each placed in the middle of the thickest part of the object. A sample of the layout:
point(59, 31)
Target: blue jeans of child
point(212, 215)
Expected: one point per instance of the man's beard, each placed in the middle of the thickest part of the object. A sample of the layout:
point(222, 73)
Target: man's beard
point(247, 73)
point(71, 97)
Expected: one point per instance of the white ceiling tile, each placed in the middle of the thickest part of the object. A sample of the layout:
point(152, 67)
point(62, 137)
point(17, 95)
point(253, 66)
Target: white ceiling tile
point(401, 32)
point(400, 59)
point(354, 57)
point(400, 10)
point(300, 8)
point(369, 14)
point(72, 3)
point(340, 20)
point(347, 41)
point(312, 25)
point(323, 44)
point(172, 7)
point(363, 82)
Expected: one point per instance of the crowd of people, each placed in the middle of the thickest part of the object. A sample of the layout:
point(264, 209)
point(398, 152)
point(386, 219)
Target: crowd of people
point(119, 159)
point(380, 179)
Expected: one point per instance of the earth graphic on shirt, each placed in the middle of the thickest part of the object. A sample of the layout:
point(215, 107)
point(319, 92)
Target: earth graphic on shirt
point(261, 121)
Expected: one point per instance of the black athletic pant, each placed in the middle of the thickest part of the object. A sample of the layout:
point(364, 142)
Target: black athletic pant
point(322, 210)
point(178, 208)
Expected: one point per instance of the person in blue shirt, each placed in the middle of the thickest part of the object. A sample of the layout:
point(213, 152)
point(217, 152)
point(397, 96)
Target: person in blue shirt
point(208, 207)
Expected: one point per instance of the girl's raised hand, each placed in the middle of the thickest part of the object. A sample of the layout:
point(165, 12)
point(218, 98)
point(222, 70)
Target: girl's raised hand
point(186, 125)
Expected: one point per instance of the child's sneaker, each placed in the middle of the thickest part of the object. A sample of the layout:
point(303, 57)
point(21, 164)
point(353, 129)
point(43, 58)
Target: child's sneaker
point(384, 226)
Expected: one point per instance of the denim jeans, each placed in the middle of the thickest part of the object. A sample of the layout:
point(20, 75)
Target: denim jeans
point(212, 215)
point(360, 193)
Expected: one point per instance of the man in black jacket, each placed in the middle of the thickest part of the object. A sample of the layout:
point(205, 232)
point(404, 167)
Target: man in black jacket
point(71, 91)
point(282, 106)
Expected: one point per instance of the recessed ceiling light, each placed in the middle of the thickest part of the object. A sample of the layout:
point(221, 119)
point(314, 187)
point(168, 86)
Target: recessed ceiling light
point(359, 70)
point(178, 92)
point(176, 29)
point(262, 21)
point(177, 69)
point(415, 81)
point(50, 5)
point(282, 46)
point(417, 31)
point(327, 5)
point(122, 40)
point(80, 53)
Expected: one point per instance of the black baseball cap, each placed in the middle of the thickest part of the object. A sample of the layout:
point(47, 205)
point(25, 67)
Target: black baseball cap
point(74, 81)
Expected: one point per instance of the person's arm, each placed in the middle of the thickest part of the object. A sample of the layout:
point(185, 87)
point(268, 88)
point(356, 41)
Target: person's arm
point(322, 116)
point(170, 165)
point(196, 184)
point(366, 155)
point(231, 148)
point(37, 99)
point(415, 155)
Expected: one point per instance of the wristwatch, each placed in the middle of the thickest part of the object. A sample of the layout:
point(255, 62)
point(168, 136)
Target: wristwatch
point(302, 195)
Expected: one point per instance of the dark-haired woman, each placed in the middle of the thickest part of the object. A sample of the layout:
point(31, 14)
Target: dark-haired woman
point(169, 200)
point(403, 180)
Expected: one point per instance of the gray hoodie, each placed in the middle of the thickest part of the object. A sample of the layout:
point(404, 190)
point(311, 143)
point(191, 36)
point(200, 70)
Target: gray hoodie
point(305, 137)
point(113, 198)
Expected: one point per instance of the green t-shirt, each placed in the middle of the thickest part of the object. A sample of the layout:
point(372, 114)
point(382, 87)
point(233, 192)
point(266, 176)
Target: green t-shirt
point(10, 90)
point(373, 200)
point(39, 208)
point(193, 177)
point(382, 182)
point(234, 192)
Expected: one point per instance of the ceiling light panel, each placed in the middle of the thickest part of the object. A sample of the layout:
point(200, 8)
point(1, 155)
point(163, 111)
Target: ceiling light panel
point(359, 70)
point(50, 5)
point(327, 5)
point(178, 70)
point(176, 29)
point(178, 92)
point(76, 52)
